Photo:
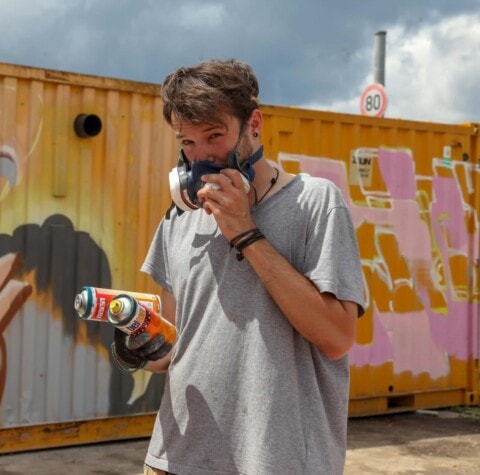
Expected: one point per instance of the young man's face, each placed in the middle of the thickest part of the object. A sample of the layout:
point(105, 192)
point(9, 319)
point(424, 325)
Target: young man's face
point(211, 142)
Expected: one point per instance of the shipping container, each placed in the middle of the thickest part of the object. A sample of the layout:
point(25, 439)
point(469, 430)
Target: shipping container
point(413, 193)
point(84, 167)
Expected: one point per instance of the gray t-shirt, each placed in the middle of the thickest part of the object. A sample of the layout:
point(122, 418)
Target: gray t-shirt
point(246, 393)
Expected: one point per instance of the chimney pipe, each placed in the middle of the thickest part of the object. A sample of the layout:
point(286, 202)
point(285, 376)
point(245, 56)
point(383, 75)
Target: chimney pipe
point(379, 58)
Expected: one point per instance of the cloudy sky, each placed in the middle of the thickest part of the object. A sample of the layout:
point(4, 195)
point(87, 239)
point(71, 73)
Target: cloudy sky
point(307, 53)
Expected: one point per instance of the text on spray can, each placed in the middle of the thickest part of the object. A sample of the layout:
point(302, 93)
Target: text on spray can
point(133, 318)
point(91, 303)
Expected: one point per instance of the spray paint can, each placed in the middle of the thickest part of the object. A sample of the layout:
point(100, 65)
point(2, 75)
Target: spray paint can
point(91, 303)
point(134, 318)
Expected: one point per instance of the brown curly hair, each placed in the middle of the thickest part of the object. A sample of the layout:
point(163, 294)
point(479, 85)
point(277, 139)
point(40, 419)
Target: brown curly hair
point(203, 94)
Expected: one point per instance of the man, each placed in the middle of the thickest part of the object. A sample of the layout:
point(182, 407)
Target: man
point(264, 285)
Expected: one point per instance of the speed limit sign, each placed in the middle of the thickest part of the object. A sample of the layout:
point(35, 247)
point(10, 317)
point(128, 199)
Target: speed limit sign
point(373, 101)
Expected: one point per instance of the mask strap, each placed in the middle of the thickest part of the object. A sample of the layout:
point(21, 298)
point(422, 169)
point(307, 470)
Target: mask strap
point(169, 210)
point(240, 136)
point(182, 162)
point(234, 157)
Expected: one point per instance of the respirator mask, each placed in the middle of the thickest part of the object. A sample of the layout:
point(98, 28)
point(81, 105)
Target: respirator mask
point(186, 178)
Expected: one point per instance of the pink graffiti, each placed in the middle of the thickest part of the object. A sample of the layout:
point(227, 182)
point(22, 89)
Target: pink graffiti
point(427, 241)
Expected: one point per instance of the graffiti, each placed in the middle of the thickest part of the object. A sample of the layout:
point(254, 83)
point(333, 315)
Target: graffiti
point(13, 294)
point(42, 266)
point(57, 260)
point(418, 240)
point(65, 223)
point(14, 151)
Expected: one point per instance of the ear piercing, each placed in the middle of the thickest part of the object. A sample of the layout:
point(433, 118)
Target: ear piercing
point(255, 134)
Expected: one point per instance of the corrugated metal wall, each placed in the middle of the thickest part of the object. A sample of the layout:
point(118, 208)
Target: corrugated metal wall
point(413, 191)
point(73, 211)
point(76, 211)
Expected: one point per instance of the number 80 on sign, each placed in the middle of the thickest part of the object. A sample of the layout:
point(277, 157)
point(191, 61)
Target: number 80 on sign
point(373, 101)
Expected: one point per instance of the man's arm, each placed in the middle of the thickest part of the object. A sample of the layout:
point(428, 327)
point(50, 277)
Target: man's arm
point(322, 319)
point(328, 323)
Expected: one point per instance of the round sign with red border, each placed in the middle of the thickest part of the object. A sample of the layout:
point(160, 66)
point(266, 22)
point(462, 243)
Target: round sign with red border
point(373, 101)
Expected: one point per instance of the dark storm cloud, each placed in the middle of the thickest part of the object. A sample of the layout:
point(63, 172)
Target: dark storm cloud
point(304, 51)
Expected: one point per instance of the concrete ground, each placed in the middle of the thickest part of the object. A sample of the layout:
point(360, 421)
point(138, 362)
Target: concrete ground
point(425, 442)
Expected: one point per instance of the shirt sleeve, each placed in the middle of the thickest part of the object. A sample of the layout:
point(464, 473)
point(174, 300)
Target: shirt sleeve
point(156, 261)
point(333, 261)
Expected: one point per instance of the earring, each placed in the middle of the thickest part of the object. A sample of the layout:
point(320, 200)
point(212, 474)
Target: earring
point(255, 134)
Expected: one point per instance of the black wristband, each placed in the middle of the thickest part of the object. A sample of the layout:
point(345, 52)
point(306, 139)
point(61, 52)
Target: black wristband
point(238, 238)
point(124, 366)
point(254, 237)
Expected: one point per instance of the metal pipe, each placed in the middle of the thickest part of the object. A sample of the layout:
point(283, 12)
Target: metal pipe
point(379, 58)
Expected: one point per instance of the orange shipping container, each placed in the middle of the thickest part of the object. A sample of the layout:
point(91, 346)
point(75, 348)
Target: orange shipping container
point(413, 192)
point(84, 167)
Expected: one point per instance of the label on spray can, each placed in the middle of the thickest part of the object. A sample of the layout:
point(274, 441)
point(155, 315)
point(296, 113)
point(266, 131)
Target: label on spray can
point(133, 318)
point(125, 313)
point(91, 303)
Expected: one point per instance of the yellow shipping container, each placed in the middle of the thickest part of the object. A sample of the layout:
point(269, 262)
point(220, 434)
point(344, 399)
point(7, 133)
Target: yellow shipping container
point(84, 167)
point(413, 192)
